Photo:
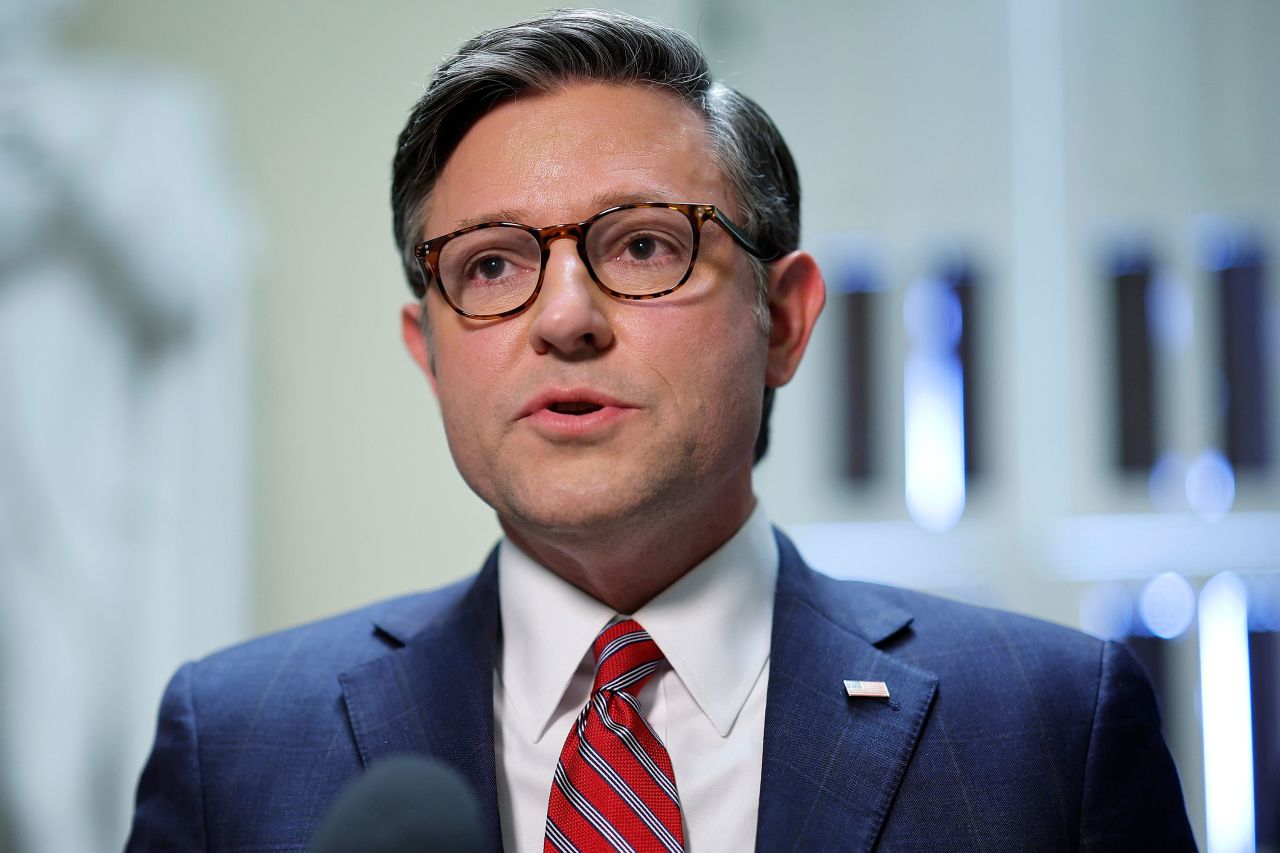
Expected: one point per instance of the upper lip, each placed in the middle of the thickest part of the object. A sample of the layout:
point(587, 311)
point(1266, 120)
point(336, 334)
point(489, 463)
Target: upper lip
point(547, 398)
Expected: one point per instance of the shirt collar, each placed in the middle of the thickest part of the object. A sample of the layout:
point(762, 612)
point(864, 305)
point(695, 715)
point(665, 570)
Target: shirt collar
point(713, 625)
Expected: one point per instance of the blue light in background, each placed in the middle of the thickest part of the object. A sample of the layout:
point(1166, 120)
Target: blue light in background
point(1170, 313)
point(1224, 242)
point(1211, 485)
point(1166, 605)
point(1227, 721)
point(1264, 604)
point(933, 407)
point(1167, 484)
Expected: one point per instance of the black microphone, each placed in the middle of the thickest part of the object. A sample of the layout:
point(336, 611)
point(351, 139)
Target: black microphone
point(402, 804)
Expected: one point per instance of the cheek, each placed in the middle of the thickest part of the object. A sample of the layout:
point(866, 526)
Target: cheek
point(732, 359)
point(470, 365)
point(713, 364)
point(471, 353)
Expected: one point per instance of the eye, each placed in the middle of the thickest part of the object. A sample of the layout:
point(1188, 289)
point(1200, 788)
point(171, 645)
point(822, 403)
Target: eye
point(647, 248)
point(491, 267)
point(642, 248)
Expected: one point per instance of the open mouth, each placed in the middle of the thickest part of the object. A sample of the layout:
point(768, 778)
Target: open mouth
point(570, 408)
point(574, 408)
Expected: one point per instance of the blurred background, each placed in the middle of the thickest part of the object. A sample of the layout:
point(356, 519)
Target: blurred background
point(1047, 378)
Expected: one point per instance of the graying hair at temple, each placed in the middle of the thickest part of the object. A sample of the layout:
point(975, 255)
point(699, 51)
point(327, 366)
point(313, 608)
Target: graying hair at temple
point(543, 55)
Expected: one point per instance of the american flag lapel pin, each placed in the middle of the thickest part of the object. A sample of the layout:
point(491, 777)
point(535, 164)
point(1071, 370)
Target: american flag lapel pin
point(866, 689)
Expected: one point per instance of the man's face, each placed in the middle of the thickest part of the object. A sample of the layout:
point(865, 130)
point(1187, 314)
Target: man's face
point(587, 412)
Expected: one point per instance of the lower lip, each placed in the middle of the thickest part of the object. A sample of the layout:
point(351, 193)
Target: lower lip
point(590, 425)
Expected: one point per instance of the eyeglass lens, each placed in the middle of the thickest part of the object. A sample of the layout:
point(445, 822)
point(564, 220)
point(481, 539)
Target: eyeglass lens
point(636, 251)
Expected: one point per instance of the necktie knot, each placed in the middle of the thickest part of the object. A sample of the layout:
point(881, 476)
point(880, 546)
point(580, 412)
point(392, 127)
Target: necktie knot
point(626, 657)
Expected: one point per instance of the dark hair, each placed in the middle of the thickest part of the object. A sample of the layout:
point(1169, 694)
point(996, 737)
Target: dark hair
point(543, 55)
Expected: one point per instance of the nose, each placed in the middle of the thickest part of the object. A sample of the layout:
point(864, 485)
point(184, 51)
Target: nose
point(567, 317)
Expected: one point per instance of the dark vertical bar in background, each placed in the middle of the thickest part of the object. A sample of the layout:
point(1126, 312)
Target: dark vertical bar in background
point(963, 281)
point(1241, 284)
point(857, 306)
point(1264, 672)
point(1134, 379)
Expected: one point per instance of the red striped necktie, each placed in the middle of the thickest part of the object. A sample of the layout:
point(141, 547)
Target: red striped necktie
point(614, 788)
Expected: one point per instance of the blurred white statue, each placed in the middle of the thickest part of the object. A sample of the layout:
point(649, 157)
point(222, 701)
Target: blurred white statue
point(124, 265)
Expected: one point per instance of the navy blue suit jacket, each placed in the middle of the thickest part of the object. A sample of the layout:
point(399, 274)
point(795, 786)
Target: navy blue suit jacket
point(1002, 733)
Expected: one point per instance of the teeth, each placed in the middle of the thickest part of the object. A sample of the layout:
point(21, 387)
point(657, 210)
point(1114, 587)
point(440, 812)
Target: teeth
point(574, 408)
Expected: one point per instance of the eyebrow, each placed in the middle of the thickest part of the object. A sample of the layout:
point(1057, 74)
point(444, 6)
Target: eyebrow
point(598, 202)
point(505, 215)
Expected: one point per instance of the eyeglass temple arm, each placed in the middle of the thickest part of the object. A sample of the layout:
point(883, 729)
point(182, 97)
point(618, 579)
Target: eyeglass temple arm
point(741, 238)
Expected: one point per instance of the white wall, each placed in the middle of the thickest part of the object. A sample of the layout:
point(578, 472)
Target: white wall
point(1029, 132)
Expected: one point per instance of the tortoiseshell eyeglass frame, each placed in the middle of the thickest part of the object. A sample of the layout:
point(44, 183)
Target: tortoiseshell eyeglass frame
point(428, 251)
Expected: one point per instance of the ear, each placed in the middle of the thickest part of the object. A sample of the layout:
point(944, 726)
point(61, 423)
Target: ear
point(796, 296)
point(415, 341)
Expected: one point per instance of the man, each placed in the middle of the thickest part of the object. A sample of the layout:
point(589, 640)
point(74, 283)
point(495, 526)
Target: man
point(605, 386)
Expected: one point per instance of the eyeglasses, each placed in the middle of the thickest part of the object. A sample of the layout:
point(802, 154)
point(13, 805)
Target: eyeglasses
point(632, 251)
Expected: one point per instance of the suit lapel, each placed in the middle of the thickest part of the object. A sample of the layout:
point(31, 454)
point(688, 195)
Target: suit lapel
point(433, 695)
point(831, 767)
point(832, 764)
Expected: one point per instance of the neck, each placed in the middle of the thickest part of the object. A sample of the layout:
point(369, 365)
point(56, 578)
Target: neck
point(628, 564)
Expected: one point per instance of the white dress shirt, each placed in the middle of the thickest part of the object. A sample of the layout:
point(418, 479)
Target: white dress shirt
point(706, 703)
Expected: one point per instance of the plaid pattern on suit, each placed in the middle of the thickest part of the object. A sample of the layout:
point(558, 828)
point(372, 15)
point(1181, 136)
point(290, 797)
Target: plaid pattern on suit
point(1002, 732)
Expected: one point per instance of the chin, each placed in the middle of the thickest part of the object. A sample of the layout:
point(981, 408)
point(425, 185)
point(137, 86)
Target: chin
point(589, 502)
point(586, 511)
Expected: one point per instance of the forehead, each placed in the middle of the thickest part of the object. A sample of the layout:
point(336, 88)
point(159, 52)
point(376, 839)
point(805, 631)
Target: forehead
point(557, 157)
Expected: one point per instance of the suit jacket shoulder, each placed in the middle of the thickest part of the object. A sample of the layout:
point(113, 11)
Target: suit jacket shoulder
point(1002, 732)
point(237, 683)
point(255, 742)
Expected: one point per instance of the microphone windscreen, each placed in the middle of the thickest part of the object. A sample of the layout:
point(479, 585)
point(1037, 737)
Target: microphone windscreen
point(402, 804)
